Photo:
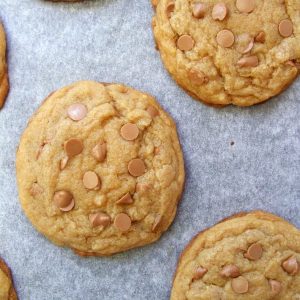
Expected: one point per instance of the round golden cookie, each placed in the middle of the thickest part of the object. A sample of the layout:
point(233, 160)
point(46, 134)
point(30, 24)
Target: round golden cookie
point(100, 168)
point(7, 290)
point(229, 52)
point(4, 85)
point(249, 256)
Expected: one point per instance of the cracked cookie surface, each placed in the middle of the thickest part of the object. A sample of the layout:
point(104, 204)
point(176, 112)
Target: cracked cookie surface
point(249, 256)
point(7, 291)
point(239, 52)
point(4, 85)
point(100, 168)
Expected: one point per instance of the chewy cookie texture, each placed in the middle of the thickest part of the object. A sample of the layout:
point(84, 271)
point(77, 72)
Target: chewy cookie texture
point(4, 85)
point(238, 52)
point(249, 256)
point(7, 291)
point(100, 168)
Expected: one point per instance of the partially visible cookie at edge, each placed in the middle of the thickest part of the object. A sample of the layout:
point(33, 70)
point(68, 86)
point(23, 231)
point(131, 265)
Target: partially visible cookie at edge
point(7, 290)
point(100, 168)
point(251, 256)
point(230, 52)
point(4, 84)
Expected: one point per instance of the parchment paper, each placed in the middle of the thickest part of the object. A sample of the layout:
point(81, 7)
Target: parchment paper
point(51, 45)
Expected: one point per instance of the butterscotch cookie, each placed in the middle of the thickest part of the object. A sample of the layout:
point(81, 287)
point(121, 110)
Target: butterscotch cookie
point(4, 85)
point(7, 291)
point(249, 256)
point(100, 168)
point(238, 52)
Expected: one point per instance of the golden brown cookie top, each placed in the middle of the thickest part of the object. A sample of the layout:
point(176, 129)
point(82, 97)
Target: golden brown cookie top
point(230, 52)
point(7, 291)
point(98, 166)
point(4, 85)
point(249, 256)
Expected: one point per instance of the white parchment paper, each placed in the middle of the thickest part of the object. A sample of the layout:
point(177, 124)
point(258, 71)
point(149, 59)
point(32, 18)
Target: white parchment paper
point(51, 45)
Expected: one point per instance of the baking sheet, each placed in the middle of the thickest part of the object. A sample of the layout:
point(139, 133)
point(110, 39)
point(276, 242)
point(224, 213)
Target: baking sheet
point(51, 45)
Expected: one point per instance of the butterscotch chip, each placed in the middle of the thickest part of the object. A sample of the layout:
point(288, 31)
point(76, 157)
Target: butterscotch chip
point(73, 147)
point(91, 180)
point(77, 111)
point(199, 273)
point(98, 179)
point(225, 38)
point(275, 287)
point(249, 61)
point(240, 285)
point(136, 167)
point(185, 42)
point(152, 111)
point(245, 6)
point(170, 8)
point(286, 28)
point(230, 271)
point(126, 199)
point(230, 275)
point(261, 37)
point(197, 77)
point(291, 266)
point(219, 11)
point(210, 28)
point(129, 132)
point(254, 252)
point(99, 219)
point(199, 10)
point(99, 152)
point(64, 162)
point(122, 222)
point(63, 200)
point(156, 223)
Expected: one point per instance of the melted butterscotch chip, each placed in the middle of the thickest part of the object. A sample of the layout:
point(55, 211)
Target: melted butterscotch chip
point(199, 9)
point(77, 111)
point(91, 180)
point(73, 147)
point(254, 252)
point(225, 38)
point(199, 273)
point(240, 285)
point(126, 199)
point(64, 200)
point(275, 287)
point(122, 222)
point(261, 37)
point(230, 271)
point(219, 11)
point(197, 77)
point(286, 28)
point(156, 223)
point(185, 42)
point(129, 132)
point(99, 219)
point(170, 8)
point(248, 61)
point(245, 6)
point(99, 152)
point(136, 167)
point(64, 162)
point(152, 111)
point(291, 266)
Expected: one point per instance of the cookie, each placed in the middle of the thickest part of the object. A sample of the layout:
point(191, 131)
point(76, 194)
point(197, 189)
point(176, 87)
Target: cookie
point(7, 290)
point(4, 85)
point(229, 52)
point(100, 168)
point(251, 256)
